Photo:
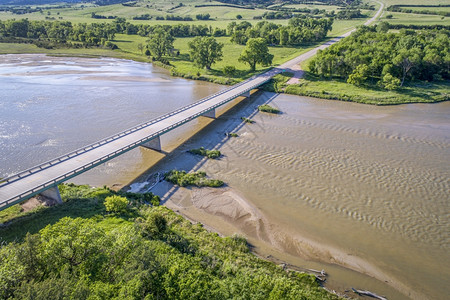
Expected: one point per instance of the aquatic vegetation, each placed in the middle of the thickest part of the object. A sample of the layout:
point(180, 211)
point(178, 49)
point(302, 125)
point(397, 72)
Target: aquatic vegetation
point(269, 109)
point(214, 154)
point(246, 120)
point(182, 178)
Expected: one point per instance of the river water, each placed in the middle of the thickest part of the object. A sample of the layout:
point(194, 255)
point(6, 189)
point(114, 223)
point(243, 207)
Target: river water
point(359, 186)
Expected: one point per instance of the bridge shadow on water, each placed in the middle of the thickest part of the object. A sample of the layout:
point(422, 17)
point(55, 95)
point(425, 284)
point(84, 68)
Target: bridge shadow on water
point(213, 135)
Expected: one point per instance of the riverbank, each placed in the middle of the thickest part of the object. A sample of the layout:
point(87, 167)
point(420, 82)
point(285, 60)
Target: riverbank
point(302, 83)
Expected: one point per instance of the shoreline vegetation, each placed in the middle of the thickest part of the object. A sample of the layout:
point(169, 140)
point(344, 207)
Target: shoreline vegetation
point(339, 89)
point(86, 248)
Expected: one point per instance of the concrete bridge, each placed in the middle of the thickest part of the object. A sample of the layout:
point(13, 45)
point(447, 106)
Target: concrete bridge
point(44, 178)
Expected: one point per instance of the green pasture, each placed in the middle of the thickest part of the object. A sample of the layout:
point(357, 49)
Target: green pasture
point(414, 2)
point(415, 19)
point(231, 53)
point(337, 89)
point(430, 8)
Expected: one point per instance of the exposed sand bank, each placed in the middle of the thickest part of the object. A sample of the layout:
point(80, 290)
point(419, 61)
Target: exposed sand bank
point(227, 212)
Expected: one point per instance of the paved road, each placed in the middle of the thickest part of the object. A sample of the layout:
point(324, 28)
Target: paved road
point(33, 181)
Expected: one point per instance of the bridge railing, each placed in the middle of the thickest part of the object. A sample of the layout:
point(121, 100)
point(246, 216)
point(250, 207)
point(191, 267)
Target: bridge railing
point(84, 149)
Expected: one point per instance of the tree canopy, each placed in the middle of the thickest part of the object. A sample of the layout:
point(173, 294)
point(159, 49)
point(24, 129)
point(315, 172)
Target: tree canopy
point(149, 253)
point(205, 51)
point(256, 52)
point(371, 52)
point(299, 30)
point(160, 42)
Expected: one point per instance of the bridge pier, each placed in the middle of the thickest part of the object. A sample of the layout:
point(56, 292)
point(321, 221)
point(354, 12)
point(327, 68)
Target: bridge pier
point(52, 194)
point(154, 144)
point(246, 94)
point(210, 114)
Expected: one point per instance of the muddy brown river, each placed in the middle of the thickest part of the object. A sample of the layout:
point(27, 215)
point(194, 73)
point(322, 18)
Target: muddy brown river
point(351, 188)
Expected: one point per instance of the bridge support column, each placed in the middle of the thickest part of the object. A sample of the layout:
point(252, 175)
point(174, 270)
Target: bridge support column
point(52, 194)
point(210, 114)
point(246, 94)
point(154, 144)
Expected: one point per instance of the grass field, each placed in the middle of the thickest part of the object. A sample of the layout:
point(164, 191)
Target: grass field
point(337, 89)
point(415, 19)
point(430, 8)
point(312, 6)
point(93, 52)
point(231, 53)
point(414, 2)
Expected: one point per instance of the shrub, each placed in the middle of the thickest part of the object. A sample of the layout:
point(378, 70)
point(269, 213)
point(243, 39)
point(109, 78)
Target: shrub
point(246, 120)
point(229, 71)
point(182, 178)
point(268, 109)
point(390, 82)
point(116, 204)
point(208, 153)
point(153, 226)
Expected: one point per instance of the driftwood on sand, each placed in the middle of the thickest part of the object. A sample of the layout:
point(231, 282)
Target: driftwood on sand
point(368, 293)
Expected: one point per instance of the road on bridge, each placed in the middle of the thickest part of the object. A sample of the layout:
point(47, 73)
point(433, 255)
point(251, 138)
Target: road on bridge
point(48, 175)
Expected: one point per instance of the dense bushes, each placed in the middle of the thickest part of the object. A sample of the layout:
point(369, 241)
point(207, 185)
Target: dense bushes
point(182, 178)
point(372, 53)
point(214, 154)
point(153, 254)
point(299, 31)
point(269, 109)
point(58, 32)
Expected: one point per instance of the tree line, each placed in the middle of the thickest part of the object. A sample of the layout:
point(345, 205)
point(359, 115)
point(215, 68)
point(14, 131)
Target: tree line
point(371, 53)
point(59, 32)
point(137, 252)
point(298, 31)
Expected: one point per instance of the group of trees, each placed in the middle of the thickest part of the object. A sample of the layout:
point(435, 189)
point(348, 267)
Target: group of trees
point(373, 53)
point(138, 253)
point(348, 14)
point(174, 18)
point(297, 32)
point(176, 30)
point(93, 34)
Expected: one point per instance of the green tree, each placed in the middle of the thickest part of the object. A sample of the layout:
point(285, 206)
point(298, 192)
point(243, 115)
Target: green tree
point(229, 71)
point(140, 48)
point(116, 203)
point(205, 51)
point(256, 52)
point(359, 75)
point(154, 225)
point(406, 60)
point(73, 243)
point(160, 42)
point(390, 82)
point(383, 27)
